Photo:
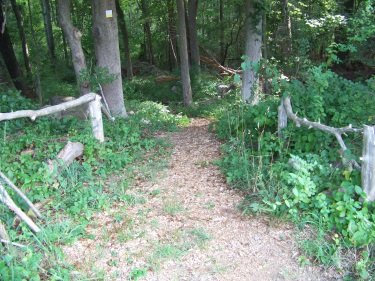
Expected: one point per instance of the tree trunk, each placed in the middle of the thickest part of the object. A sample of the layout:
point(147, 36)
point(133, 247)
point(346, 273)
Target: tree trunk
point(193, 33)
point(46, 11)
point(73, 36)
point(125, 38)
point(147, 30)
point(185, 76)
point(37, 84)
point(172, 35)
point(287, 30)
point(221, 39)
point(10, 60)
point(107, 52)
point(250, 80)
point(21, 30)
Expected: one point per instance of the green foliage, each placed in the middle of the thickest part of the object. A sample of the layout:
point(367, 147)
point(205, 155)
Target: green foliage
point(298, 177)
point(78, 191)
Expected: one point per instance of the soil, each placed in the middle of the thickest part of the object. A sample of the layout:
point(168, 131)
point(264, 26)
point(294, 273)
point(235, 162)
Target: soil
point(186, 225)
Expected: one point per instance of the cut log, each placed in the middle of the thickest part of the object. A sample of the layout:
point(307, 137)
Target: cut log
point(70, 152)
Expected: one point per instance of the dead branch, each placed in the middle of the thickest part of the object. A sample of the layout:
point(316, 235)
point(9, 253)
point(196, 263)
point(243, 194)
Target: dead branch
point(337, 132)
point(5, 241)
point(213, 63)
point(7, 200)
point(21, 194)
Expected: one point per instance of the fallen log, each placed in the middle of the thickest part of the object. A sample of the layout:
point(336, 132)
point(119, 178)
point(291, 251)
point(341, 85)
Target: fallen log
point(71, 151)
point(164, 78)
point(214, 64)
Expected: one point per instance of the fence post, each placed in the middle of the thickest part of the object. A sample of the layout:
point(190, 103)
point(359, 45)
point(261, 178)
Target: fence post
point(96, 118)
point(368, 162)
point(282, 118)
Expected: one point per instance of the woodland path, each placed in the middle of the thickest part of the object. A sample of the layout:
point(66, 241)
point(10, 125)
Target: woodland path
point(188, 227)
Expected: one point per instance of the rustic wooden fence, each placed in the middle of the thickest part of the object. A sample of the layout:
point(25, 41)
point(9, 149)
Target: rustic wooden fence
point(367, 169)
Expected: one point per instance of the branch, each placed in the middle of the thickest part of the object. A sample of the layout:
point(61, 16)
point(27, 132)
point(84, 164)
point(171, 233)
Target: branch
point(22, 195)
point(5, 198)
point(33, 114)
point(12, 243)
point(337, 132)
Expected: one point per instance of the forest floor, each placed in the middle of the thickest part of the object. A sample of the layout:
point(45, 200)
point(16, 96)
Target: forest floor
point(185, 224)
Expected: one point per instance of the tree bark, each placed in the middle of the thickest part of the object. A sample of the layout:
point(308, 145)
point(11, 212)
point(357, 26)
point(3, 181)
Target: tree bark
point(10, 60)
point(185, 76)
point(125, 38)
point(46, 12)
point(193, 33)
point(250, 80)
point(21, 31)
point(107, 52)
point(73, 36)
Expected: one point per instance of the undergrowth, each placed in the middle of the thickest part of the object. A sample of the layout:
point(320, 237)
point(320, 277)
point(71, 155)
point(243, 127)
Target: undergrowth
point(302, 177)
point(70, 199)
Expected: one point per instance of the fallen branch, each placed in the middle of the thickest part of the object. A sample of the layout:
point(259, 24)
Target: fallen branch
point(22, 195)
point(337, 132)
point(7, 200)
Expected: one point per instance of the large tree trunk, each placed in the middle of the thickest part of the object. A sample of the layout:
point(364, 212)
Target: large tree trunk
point(46, 11)
point(73, 36)
point(107, 52)
point(193, 33)
point(250, 80)
point(185, 76)
point(10, 60)
point(21, 30)
point(125, 38)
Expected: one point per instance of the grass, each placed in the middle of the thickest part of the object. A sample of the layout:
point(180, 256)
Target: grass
point(173, 206)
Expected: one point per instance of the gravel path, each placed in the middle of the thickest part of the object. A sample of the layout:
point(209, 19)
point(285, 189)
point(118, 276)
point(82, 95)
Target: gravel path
point(188, 227)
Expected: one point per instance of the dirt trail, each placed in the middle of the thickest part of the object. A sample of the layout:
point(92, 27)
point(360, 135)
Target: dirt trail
point(189, 227)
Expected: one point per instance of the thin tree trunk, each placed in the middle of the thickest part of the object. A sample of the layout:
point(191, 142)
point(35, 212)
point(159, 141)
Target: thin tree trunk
point(125, 38)
point(38, 88)
point(172, 35)
point(287, 27)
point(185, 76)
point(10, 60)
point(21, 30)
point(105, 31)
point(73, 36)
point(147, 30)
point(193, 33)
point(250, 80)
point(46, 11)
point(221, 40)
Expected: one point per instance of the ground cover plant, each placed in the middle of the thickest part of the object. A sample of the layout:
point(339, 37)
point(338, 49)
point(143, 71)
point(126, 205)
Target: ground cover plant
point(302, 177)
point(80, 190)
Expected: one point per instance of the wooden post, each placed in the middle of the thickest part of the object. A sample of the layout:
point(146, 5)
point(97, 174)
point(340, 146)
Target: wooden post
point(368, 162)
point(96, 118)
point(282, 118)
